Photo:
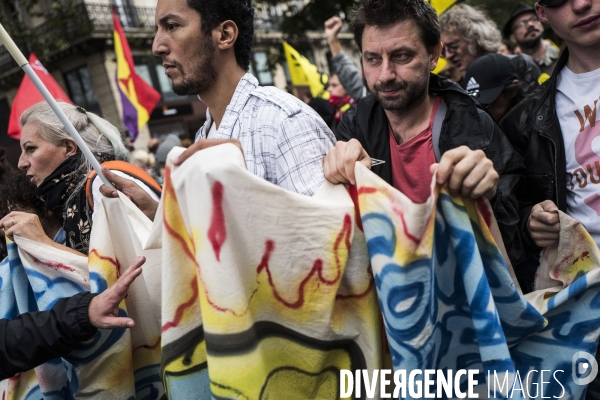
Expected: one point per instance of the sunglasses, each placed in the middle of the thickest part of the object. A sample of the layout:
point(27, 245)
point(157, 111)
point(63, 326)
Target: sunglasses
point(551, 3)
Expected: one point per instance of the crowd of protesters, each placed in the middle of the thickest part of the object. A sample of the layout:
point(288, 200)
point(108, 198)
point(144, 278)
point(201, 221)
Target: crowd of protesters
point(502, 122)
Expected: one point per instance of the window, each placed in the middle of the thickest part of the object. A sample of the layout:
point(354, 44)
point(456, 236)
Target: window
point(286, 71)
point(251, 70)
point(81, 89)
point(260, 68)
point(126, 13)
point(143, 71)
point(12, 11)
point(151, 70)
point(166, 87)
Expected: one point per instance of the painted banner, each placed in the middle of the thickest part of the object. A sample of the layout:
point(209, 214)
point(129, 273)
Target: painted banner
point(450, 301)
point(251, 291)
point(265, 307)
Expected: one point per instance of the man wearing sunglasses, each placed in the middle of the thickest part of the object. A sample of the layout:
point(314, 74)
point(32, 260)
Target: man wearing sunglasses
point(525, 29)
point(554, 131)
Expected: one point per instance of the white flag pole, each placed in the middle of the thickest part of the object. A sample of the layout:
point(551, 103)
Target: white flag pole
point(22, 61)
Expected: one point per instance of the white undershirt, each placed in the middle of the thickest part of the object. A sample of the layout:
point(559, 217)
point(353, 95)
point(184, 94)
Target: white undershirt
point(213, 131)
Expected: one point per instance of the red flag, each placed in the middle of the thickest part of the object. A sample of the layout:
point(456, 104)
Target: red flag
point(28, 95)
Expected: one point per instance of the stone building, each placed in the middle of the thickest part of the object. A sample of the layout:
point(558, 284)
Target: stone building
point(80, 55)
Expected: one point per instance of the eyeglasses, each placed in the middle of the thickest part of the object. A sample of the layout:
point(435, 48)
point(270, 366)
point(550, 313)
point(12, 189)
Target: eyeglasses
point(450, 48)
point(552, 3)
point(526, 22)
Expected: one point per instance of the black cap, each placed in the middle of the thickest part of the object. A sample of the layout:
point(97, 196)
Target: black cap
point(487, 77)
point(521, 8)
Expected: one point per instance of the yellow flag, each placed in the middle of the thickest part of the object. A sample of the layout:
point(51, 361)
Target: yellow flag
point(442, 62)
point(441, 5)
point(303, 73)
point(543, 78)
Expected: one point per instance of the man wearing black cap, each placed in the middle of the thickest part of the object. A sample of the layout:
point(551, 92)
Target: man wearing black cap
point(492, 80)
point(525, 29)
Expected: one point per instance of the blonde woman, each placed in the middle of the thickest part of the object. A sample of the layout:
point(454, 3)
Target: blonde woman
point(54, 163)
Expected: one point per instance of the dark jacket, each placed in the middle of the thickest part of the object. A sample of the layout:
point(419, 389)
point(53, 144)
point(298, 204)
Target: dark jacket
point(35, 338)
point(534, 131)
point(466, 124)
point(528, 71)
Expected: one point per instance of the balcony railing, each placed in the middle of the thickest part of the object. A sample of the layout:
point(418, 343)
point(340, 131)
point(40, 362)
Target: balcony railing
point(267, 17)
point(91, 18)
point(131, 17)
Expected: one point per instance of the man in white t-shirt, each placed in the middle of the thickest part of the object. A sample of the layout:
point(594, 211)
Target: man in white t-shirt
point(555, 132)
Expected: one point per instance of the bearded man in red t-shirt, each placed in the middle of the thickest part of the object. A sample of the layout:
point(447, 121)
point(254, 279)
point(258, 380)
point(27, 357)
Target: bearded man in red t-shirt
point(417, 122)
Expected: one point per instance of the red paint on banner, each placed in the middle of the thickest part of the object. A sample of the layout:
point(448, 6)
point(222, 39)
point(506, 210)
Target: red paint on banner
point(353, 192)
point(409, 235)
point(556, 271)
point(359, 295)
point(317, 267)
point(486, 213)
point(114, 262)
point(148, 346)
point(217, 232)
point(367, 190)
point(264, 265)
point(58, 267)
point(169, 192)
point(344, 234)
point(217, 235)
point(182, 307)
point(189, 251)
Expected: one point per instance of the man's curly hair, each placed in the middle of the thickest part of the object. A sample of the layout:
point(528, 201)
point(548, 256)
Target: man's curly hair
point(18, 193)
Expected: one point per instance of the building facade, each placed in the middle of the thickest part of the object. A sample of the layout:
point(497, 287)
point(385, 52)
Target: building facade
point(78, 51)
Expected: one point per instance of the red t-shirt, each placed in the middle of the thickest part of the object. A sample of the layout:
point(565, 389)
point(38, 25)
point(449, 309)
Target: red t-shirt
point(411, 161)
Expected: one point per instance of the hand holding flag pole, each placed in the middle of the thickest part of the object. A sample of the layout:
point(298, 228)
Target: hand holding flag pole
point(12, 48)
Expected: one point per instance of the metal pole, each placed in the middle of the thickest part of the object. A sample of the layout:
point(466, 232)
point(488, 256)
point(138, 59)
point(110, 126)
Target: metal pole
point(22, 61)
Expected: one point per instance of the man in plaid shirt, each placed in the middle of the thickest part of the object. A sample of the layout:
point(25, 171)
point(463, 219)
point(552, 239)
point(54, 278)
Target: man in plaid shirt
point(206, 47)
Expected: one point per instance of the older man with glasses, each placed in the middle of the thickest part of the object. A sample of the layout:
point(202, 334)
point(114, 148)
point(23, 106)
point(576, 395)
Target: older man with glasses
point(554, 130)
point(467, 34)
point(525, 29)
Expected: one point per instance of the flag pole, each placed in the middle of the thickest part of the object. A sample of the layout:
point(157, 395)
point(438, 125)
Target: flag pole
point(22, 61)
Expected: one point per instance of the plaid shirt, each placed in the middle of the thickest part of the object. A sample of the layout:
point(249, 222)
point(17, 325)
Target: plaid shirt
point(284, 140)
